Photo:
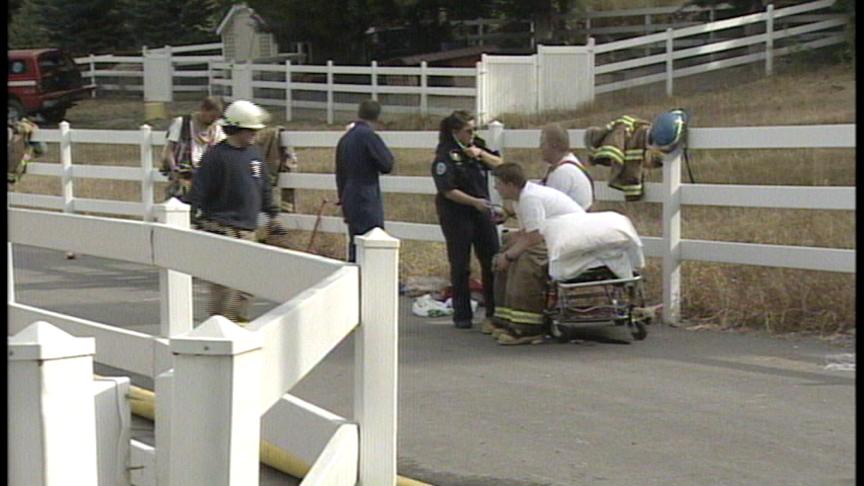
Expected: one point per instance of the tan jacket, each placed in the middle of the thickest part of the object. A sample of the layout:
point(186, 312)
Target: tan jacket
point(622, 145)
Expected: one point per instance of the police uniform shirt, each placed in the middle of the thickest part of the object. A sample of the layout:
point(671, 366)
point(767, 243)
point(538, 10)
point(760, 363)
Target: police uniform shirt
point(454, 169)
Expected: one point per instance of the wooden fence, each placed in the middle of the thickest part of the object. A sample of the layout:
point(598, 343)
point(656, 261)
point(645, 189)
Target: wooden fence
point(671, 193)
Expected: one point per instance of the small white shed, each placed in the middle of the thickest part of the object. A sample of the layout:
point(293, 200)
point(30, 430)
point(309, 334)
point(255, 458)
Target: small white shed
point(245, 35)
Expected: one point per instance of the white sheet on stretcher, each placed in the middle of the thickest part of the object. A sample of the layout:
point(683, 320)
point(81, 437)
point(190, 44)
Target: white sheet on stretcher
point(579, 241)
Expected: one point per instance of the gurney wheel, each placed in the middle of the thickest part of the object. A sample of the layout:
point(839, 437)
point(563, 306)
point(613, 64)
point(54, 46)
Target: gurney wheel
point(638, 330)
point(559, 333)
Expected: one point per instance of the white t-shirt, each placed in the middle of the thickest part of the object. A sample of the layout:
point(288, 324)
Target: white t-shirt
point(201, 138)
point(570, 180)
point(538, 203)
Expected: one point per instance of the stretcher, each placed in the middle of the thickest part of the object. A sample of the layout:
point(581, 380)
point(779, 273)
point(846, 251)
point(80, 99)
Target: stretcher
point(595, 298)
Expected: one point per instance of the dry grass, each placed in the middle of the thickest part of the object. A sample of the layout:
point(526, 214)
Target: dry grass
point(734, 296)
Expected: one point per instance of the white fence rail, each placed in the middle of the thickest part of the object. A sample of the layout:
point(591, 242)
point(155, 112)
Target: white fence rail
point(248, 371)
point(487, 88)
point(128, 73)
point(830, 33)
point(418, 90)
point(742, 138)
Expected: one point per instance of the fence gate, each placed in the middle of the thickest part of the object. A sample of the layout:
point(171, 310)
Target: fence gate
point(566, 77)
point(509, 85)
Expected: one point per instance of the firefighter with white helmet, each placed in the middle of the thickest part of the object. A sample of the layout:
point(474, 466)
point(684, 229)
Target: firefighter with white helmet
point(229, 190)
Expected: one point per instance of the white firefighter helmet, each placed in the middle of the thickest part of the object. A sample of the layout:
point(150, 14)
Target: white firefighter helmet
point(244, 114)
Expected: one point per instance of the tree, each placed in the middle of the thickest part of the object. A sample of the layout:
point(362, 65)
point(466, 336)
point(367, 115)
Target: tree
point(547, 15)
point(25, 31)
point(156, 23)
point(13, 6)
point(84, 26)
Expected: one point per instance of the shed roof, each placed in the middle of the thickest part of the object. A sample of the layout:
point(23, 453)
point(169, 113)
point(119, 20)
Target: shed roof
point(260, 24)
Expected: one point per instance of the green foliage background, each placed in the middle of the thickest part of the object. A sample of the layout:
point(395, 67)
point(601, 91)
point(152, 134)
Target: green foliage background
point(335, 27)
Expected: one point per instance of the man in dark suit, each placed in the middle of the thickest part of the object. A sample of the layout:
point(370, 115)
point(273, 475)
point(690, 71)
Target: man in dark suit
point(361, 156)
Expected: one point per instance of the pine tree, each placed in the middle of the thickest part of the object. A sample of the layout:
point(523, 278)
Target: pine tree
point(84, 26)
point(156, 23)
point(25, 30)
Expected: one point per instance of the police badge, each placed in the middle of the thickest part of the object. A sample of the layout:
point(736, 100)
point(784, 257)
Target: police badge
point(455, 156)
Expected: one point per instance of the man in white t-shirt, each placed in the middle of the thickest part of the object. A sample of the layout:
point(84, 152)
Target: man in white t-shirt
point(188, 138)
point(522, 265)
point(565, 173)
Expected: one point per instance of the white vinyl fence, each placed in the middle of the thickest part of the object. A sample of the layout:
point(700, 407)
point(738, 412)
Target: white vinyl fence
point(556, 78)
point(830, 32)
point(519, 84)
point(156, 73)
point(220, 389)
point(671, 193)
point(421, 90)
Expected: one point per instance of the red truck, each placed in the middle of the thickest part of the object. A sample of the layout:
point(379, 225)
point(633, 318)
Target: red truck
point(43, 82)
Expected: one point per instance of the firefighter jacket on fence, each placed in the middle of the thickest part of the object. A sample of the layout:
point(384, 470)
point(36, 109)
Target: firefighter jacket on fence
point(622, 145)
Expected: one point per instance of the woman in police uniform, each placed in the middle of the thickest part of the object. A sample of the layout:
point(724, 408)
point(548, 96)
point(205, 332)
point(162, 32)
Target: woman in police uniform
point(464, 211)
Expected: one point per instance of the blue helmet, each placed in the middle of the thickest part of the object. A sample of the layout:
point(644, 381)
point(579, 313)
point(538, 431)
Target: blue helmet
point(669, 130)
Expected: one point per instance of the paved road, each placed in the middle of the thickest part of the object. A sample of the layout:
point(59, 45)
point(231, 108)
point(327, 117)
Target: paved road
point(680, 408)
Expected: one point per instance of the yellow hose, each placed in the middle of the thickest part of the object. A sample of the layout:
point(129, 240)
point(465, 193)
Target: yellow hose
point(143, 404)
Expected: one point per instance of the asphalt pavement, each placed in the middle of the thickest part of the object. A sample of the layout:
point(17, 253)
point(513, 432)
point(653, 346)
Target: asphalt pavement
point(683, 407)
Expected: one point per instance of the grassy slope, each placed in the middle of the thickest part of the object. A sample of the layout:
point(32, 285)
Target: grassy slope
point(733, 296)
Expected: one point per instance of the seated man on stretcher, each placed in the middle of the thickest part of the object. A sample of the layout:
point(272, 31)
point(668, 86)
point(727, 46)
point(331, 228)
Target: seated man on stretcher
point(556, 237)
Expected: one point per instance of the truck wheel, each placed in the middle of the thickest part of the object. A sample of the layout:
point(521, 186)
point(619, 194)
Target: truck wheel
point(15, 111)
point(54, 116)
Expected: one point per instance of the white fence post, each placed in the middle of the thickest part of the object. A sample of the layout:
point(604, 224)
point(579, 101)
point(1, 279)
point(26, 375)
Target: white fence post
point(158, 75)
point(175, 288)
point(329, 92)
point(170, 76)
point(495, 142)
point(538, 80)
point(215, 409)
point(164, 388)
point(209, 78)
point(10, 274)
point(288, 95)
point(92, 74)
point(769, 40)
point(376, 357)
point(592, 66)
point(146, 172)
point(52, 412)
point(479, 101)
point(670, 46)
point(241, 81)
point(374, 80)
point(424, 98)
point(66, 164)
point(672, 238)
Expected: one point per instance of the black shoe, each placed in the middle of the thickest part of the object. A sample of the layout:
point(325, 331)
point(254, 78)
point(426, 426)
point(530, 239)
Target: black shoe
point(462, 324)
